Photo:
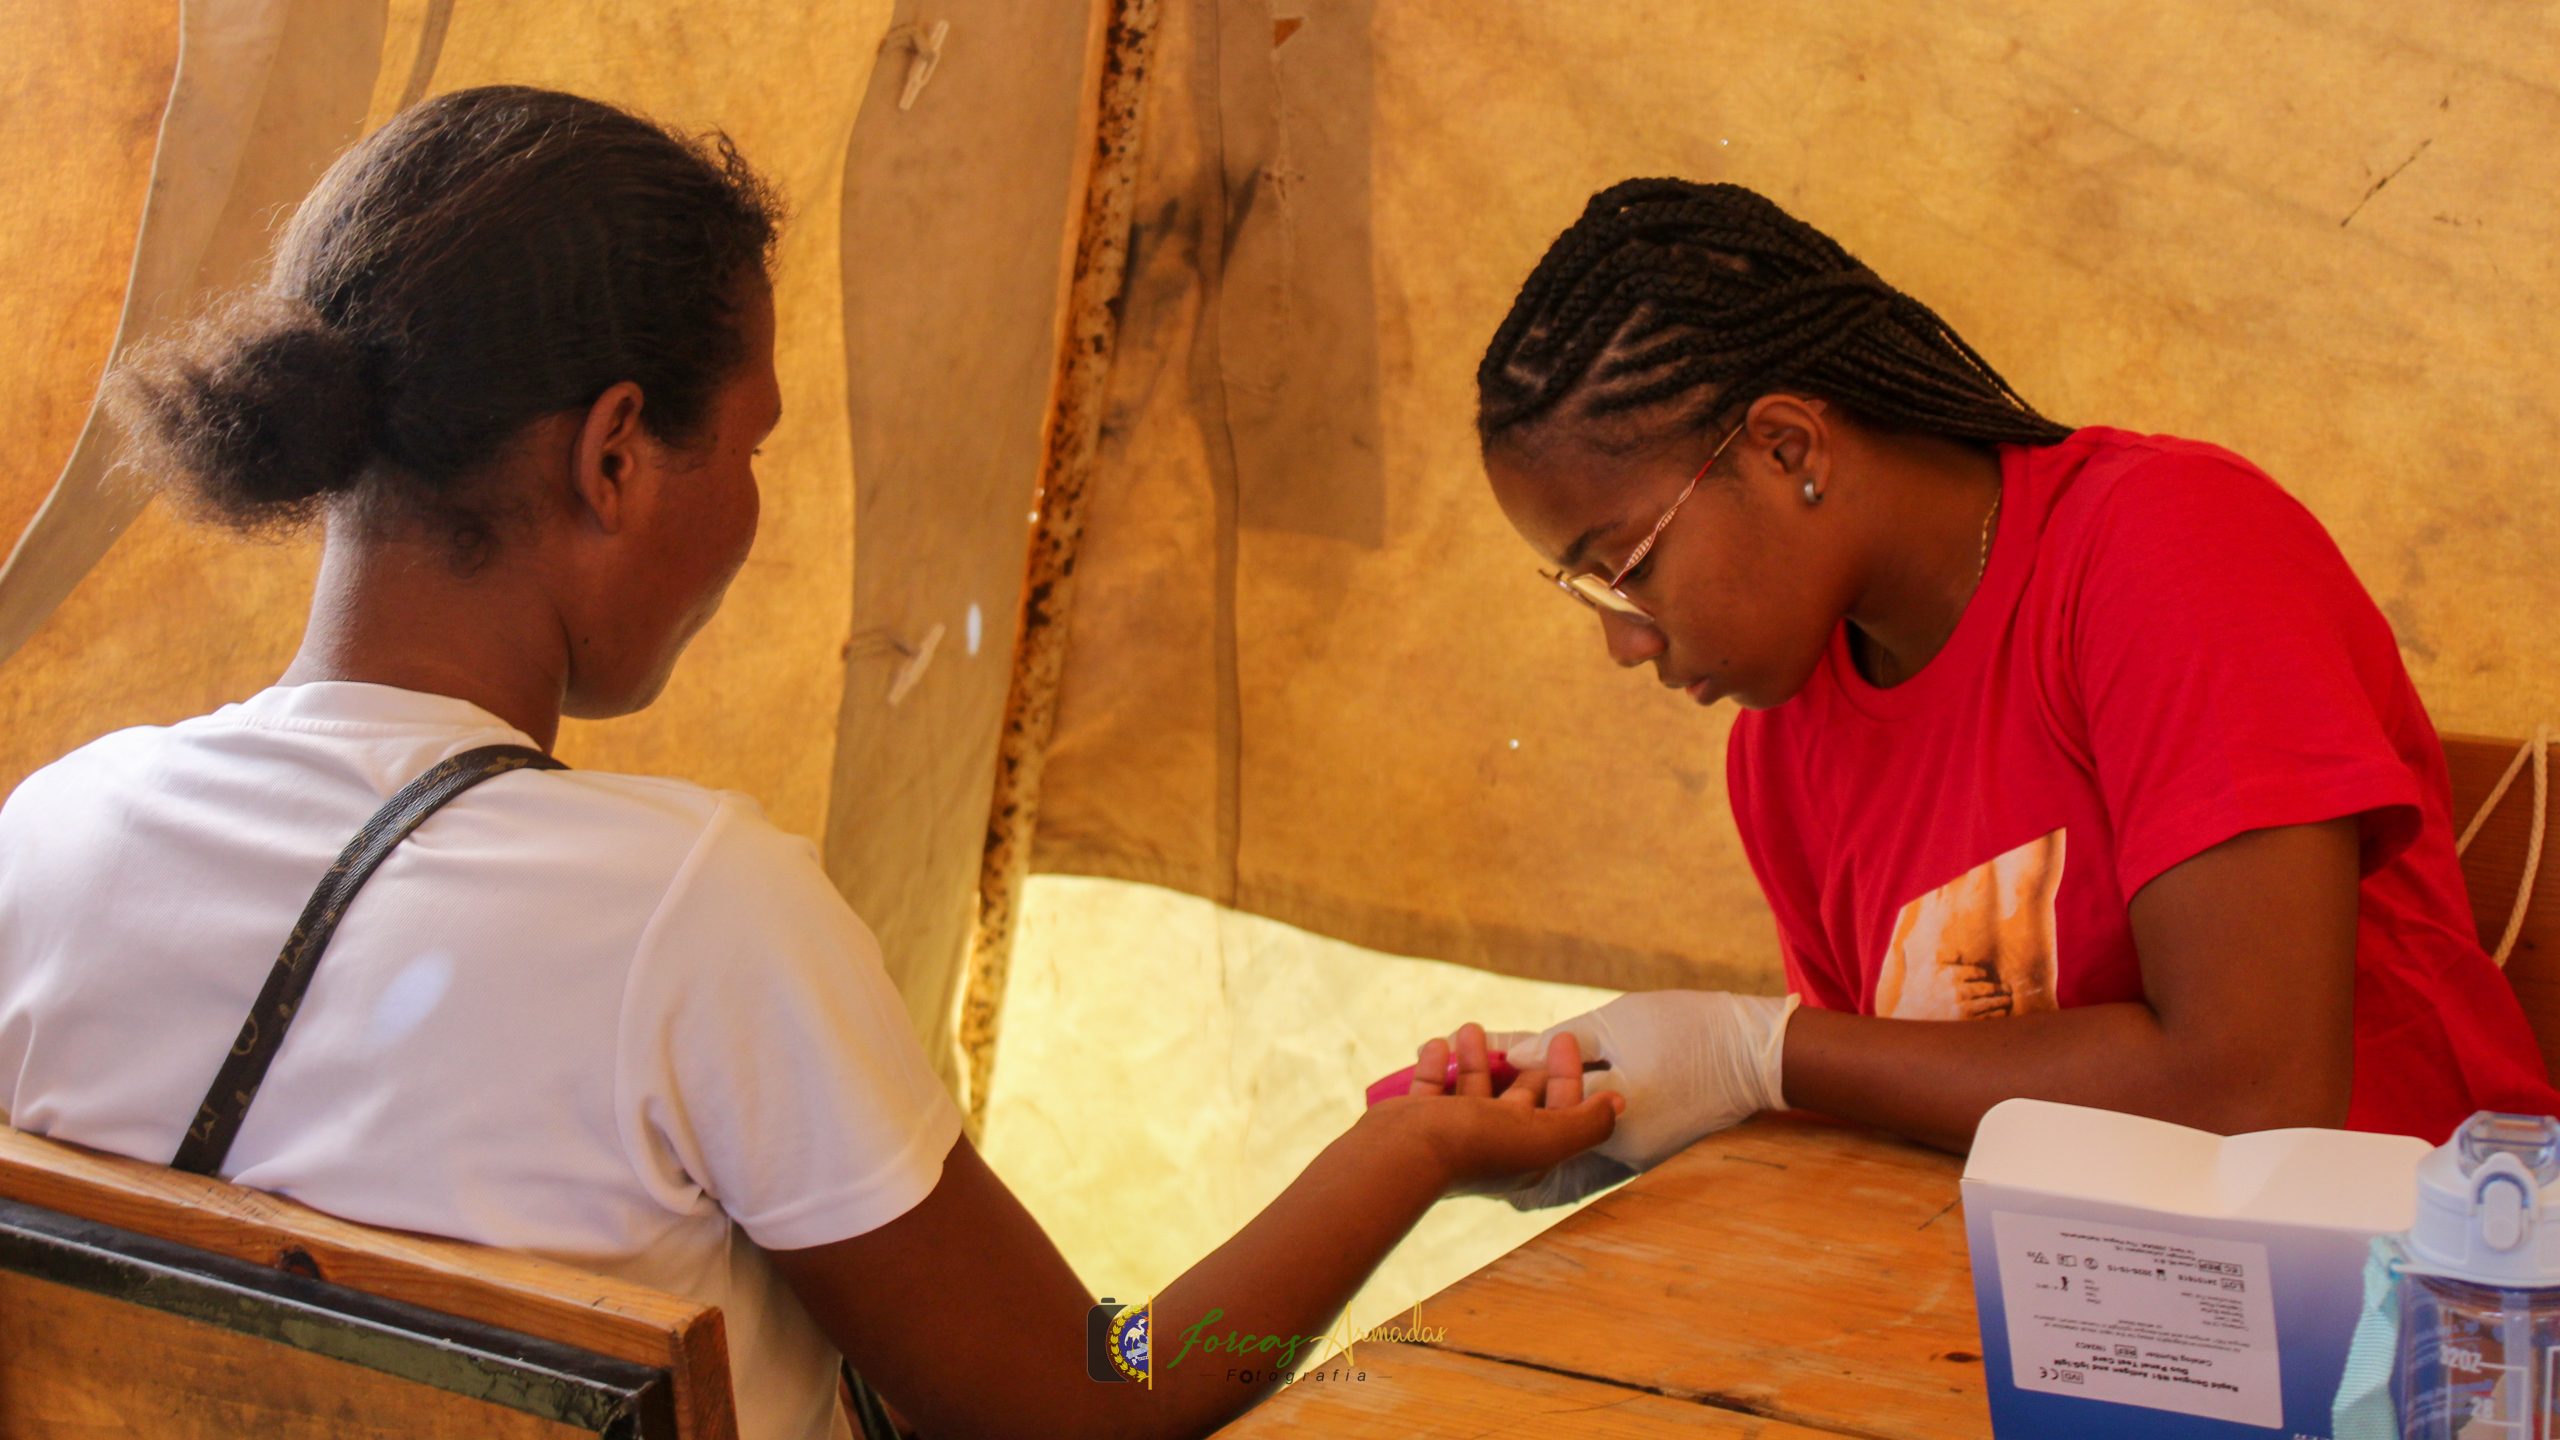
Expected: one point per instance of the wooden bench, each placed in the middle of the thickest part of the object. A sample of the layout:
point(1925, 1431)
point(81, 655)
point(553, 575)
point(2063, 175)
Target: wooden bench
point(2493, 867)
point(136, 1300)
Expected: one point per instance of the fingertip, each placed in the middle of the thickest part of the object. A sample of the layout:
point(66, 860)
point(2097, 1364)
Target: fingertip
point(1430, 1069)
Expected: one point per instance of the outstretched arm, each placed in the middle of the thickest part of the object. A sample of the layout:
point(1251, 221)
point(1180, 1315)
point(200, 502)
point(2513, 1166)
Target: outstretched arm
point(2248, 968)
point(965, 1316)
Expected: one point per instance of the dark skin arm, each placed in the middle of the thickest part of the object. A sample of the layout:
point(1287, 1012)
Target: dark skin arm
point(963, 1314)
point(2248, 962)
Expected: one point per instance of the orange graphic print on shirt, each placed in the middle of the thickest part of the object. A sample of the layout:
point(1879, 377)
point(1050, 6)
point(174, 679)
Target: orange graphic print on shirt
point(1979, 946)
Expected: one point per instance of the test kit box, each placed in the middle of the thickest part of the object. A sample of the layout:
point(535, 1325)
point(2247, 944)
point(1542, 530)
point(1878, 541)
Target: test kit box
point(2137, 1278)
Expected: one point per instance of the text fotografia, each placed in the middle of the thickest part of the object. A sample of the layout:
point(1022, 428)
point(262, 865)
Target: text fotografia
point(1118, 1346)
point(1342, 1373)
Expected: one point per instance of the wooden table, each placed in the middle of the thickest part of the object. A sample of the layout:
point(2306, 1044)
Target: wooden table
point(1787, 1278)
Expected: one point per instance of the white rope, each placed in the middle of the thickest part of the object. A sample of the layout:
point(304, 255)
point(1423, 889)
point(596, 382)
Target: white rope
point(2537, 749)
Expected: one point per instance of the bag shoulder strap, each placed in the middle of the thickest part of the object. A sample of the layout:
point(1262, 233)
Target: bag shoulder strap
point(226, 1104)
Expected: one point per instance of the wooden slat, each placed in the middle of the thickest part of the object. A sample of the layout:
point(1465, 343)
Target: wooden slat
point(1789, 1268)
point(2491, 869)
point(1415, 1392)
point(80, 1366)
point(516, 1292)
point(1803, 1270)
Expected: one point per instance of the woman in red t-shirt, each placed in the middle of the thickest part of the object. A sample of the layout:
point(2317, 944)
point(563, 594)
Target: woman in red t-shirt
point(2091, 732)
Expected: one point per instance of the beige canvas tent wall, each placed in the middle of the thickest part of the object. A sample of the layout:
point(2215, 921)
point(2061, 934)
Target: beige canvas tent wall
point(1308, 674)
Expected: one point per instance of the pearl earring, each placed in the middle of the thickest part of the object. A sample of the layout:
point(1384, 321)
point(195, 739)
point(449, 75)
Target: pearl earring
point(1811, 495)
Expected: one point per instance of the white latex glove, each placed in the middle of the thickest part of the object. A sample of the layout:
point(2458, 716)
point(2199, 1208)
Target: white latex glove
point(1690, 1062)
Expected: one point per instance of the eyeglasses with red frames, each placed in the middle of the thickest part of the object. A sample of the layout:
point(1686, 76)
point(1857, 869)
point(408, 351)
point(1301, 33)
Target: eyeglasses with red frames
point(1605, 595)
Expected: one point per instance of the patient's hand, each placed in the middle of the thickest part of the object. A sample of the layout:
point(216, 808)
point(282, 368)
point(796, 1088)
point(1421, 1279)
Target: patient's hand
point(1488, 1144)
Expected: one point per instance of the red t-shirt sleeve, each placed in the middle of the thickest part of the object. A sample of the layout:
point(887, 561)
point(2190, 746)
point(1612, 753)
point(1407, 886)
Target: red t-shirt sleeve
point(2230, 671)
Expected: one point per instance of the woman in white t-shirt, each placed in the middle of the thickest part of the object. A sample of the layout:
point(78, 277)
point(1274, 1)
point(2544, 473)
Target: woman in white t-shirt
point(516, 354)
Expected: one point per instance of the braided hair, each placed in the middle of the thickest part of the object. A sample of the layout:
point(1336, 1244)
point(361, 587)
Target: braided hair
point(1710, 296)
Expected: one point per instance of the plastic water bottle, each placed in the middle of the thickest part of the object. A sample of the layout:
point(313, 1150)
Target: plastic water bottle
point(2480, 1286)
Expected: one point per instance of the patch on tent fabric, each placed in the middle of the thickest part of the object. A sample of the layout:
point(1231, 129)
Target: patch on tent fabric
point(1980, 946)
point(1297, 309)
point(951, 215)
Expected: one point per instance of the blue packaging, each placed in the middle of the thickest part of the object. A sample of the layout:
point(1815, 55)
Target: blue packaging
point(2137, 1278)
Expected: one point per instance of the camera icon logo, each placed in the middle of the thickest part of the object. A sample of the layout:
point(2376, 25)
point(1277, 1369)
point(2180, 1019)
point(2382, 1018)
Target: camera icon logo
point(1115, 1341)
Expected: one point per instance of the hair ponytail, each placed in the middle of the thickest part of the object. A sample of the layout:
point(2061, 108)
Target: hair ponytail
point(255, 415)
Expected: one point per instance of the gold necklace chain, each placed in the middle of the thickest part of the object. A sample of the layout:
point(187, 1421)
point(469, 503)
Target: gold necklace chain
point(1982, 566)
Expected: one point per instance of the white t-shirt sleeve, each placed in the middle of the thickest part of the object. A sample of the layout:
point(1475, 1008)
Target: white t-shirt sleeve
point(765, 1058)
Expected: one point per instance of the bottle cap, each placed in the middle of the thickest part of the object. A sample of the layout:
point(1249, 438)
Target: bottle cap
point(2489, 1203)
